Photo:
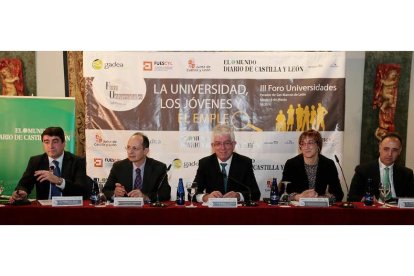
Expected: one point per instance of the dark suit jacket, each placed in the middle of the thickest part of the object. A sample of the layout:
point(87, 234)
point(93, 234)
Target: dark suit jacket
point(402, 178)
point(73, 171)
point(154, 171)
point(209, 177)
point(294, 171)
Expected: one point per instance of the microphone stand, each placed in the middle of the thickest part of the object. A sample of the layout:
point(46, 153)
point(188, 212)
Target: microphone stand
point(249, 202)
point(347, 203)
point(158, 203)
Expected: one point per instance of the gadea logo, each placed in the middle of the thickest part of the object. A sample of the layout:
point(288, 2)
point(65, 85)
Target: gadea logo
point(178, 164)
point(98, 64)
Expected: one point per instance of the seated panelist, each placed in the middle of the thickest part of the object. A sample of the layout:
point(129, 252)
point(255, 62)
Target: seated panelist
point(138, 175)
point(225, 173)
point(384, 169)
point(56, 172)
point(310, 173)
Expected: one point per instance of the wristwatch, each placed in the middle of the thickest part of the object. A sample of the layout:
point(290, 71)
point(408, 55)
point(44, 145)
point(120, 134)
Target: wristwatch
point(60, 181)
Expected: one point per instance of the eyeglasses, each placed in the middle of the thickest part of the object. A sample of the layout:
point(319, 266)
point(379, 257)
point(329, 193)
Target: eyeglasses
point(310, 143)
point(219, 144)
point(133, 148)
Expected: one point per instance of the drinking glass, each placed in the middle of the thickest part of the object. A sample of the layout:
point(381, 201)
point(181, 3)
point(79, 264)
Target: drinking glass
point(1, 187)
point(191, 189)
point(384, 192)
point(102, 197)
point(284, 198)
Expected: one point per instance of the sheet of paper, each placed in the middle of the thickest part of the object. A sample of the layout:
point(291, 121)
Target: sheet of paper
point(45, 202)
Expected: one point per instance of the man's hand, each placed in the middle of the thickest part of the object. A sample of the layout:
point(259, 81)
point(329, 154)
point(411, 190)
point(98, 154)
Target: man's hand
point(136, 193)
point(119, 190)
point(18, 195)
point(43, 175)
point(232, 194)
point(215, 194)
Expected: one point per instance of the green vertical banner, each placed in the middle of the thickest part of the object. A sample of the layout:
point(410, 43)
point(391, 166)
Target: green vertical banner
point(22, 121)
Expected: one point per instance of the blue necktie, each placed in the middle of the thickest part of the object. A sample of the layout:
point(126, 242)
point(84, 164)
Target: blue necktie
point(138, 180)
point(55, 191)
point(223, 171)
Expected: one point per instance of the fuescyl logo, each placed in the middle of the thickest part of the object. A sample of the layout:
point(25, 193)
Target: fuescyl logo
point(147, 66)
point(98, 162)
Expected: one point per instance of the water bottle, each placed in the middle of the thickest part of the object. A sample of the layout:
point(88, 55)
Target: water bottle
point(95, 192)
point(368, 197)
point(274, 193)
point(180, 192)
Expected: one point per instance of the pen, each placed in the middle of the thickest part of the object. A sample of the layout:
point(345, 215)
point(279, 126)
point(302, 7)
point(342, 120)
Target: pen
point(125, 192)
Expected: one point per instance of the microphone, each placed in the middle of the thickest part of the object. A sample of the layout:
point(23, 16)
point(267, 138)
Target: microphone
point(345, 204)
point(158, 203)
point(248, 202)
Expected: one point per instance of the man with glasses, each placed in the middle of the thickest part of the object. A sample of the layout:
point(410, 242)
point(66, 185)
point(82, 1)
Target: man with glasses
point(54, 173)
point(225, 173)
point(138, 175)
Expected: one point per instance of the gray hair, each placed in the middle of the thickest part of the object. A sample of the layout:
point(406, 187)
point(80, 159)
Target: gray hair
point(223, 130)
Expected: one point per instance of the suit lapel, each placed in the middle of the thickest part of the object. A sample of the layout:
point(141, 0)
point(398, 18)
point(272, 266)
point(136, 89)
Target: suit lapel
point(376, 177)
point(42, 190)
point(304, 176)
point(147, 175)
point(216, 176)
point(126, 176)
point(234, 172)
point(396, 179)
point(66, 164)
point(44, 162)
point(234, 161)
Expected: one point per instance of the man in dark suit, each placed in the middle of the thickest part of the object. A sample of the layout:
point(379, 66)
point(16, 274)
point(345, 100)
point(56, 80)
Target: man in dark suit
point(225, 173)
point(138, 175)
point(399, 177)
point(55, 173)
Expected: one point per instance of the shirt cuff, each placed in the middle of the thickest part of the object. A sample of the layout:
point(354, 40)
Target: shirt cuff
point(199, 197)
point(61, 185)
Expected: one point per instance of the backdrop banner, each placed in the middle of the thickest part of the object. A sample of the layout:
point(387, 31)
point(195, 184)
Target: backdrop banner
point(176, 98)
point(23, 120)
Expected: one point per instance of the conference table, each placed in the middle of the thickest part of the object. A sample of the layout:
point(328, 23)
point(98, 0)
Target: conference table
point(263, 214)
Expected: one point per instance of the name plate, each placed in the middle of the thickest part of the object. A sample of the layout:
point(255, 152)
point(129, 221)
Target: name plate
point(406, 202)
point(222, 202)
point(314, 202)
point(58, 201)
point(128, 201)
